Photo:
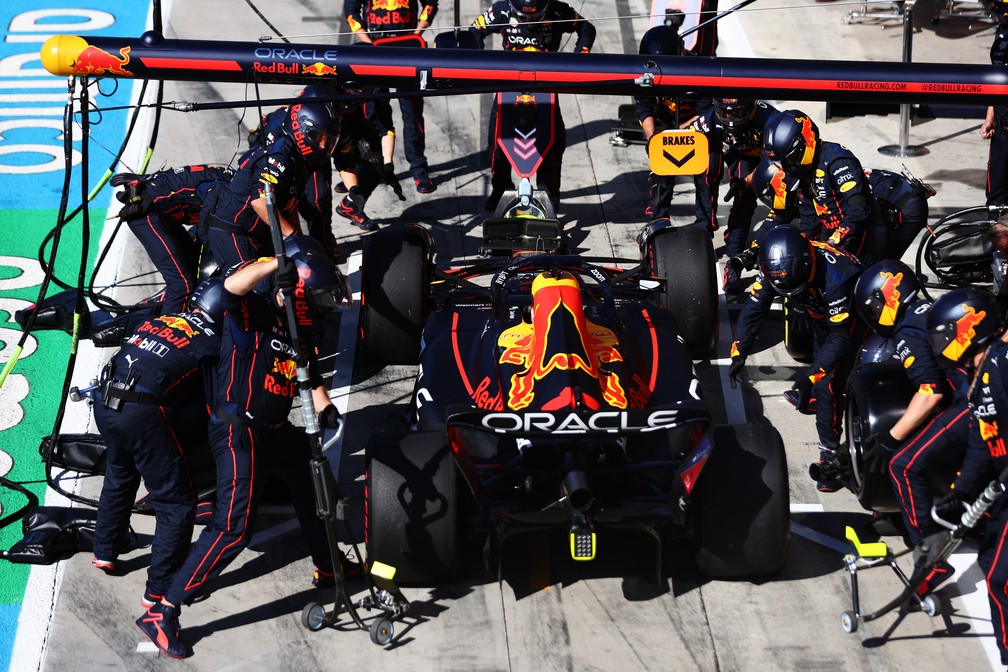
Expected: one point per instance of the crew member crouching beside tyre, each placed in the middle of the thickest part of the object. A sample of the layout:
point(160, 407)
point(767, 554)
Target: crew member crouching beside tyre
point(931, 432)
point(818, 279)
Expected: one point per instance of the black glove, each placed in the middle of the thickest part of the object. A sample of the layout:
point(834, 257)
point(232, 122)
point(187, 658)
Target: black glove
point(803, 386)
point(735, 187)
point(735, 368)
point(880, 451)
point(286, 274)
point(331, 418)
point(388, 174)
point(136, 207)
point(136, 202)
point(951, 505)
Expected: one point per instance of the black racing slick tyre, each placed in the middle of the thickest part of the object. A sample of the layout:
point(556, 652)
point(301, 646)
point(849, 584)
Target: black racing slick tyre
point(411, 506)
point(685, 257)
point(395, 286)
point(744, 504)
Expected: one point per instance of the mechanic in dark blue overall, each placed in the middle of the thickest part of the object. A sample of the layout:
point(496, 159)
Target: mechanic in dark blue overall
point(237, 221)
point(932, 431)
point(964, 326)
point(372, 20)
point(150, 406)
point(995, 125)
point(903, 203)
point(734, 131)
point(833, 192)
point(818, 279)
point(159, 208)
point(531, 25)
point(251, 437)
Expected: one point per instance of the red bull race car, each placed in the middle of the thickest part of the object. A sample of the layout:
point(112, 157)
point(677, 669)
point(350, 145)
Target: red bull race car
point(556, 393)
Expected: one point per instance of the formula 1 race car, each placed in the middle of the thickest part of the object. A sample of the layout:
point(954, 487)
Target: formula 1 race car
point(557, 395)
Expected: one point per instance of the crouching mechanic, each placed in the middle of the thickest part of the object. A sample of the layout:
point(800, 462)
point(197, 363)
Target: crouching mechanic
point(964, 326)
point(158, 208)
point(250, 435)
point(817, 279)
point(932, 431)
point(149, 408)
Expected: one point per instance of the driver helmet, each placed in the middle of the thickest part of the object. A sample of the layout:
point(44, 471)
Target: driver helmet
point(961, 323)
point(208, 300)
point(313, 126)
point(774, 188)
point(323, 284)
point(786, 260)
point(883, 293)
point(735, 113)
point(529, 11)
point(791, 139)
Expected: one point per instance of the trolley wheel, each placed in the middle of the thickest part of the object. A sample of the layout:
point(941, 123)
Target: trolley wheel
point(313, 616)
point(382, 631)
point(931, 605)
point(848, 621)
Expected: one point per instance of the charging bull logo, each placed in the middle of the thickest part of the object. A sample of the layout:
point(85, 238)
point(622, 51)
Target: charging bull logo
point(178, 324)
point(809, 136)
point(286, 368)
point(95, 61)
point(389, 5)
point(281, 380)
point(890, 297)
point(820, 210)
point(779, 190)
point(965, 333)
point(318, 69)
point(988, 430)
point(560, 338)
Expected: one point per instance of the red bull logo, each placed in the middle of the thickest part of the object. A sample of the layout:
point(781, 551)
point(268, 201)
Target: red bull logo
point(389, 5)
point(544, 347)
point(810, 139)
point(820, 210)
point(319, 69)
point(94, 61)
point(988, 430)
point(890, 297)
point(779, 190)
point(286, 368)
point(965, 333)
point(525, 99)
point(178, 324)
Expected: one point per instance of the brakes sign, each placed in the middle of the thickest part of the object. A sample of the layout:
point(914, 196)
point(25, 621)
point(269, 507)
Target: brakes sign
point(678, 153)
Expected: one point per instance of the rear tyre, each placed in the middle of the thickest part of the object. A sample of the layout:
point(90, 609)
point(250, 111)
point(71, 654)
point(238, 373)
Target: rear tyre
point(411, 514)
point(685, 257)
point(744, 503)
point(395, 286)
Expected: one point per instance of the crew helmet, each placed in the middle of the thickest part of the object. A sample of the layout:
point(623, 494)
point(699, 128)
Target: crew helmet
point(791, 139)
point(313, 126)
point(962, 322)
point(774, 187)
point(324, 285)
point(786, 260)
point(529, 10)
point(735, 113)
point(883, 293)
point(208, 299)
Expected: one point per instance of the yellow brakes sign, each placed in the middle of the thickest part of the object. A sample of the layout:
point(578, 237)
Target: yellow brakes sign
point(678, 153)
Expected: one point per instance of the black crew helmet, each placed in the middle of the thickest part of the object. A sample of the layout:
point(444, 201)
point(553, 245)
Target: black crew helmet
point(735, 113)
point(323, 284)
point(208, 299)
point(313, 126)
point(961, 323)
point(529, 10)
point(786, 260)
point(883, 293)
point(774, 187)
point(661, 41)
point(791, 139)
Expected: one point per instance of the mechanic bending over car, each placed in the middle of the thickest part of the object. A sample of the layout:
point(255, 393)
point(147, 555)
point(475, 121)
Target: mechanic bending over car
point(251, 437)
point(149, 408)
point(834, 197)
point(531, 25)
point(932, 431)
point(964, 328)
point(818, 279)
point(157, 208)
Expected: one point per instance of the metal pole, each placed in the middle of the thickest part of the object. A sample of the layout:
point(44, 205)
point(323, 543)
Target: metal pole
point(904, 149)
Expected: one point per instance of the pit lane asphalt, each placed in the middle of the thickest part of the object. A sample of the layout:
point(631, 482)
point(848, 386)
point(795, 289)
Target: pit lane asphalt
point(549, 614)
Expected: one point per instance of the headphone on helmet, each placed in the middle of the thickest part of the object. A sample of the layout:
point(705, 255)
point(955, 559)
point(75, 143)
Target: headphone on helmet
point(883, 293)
